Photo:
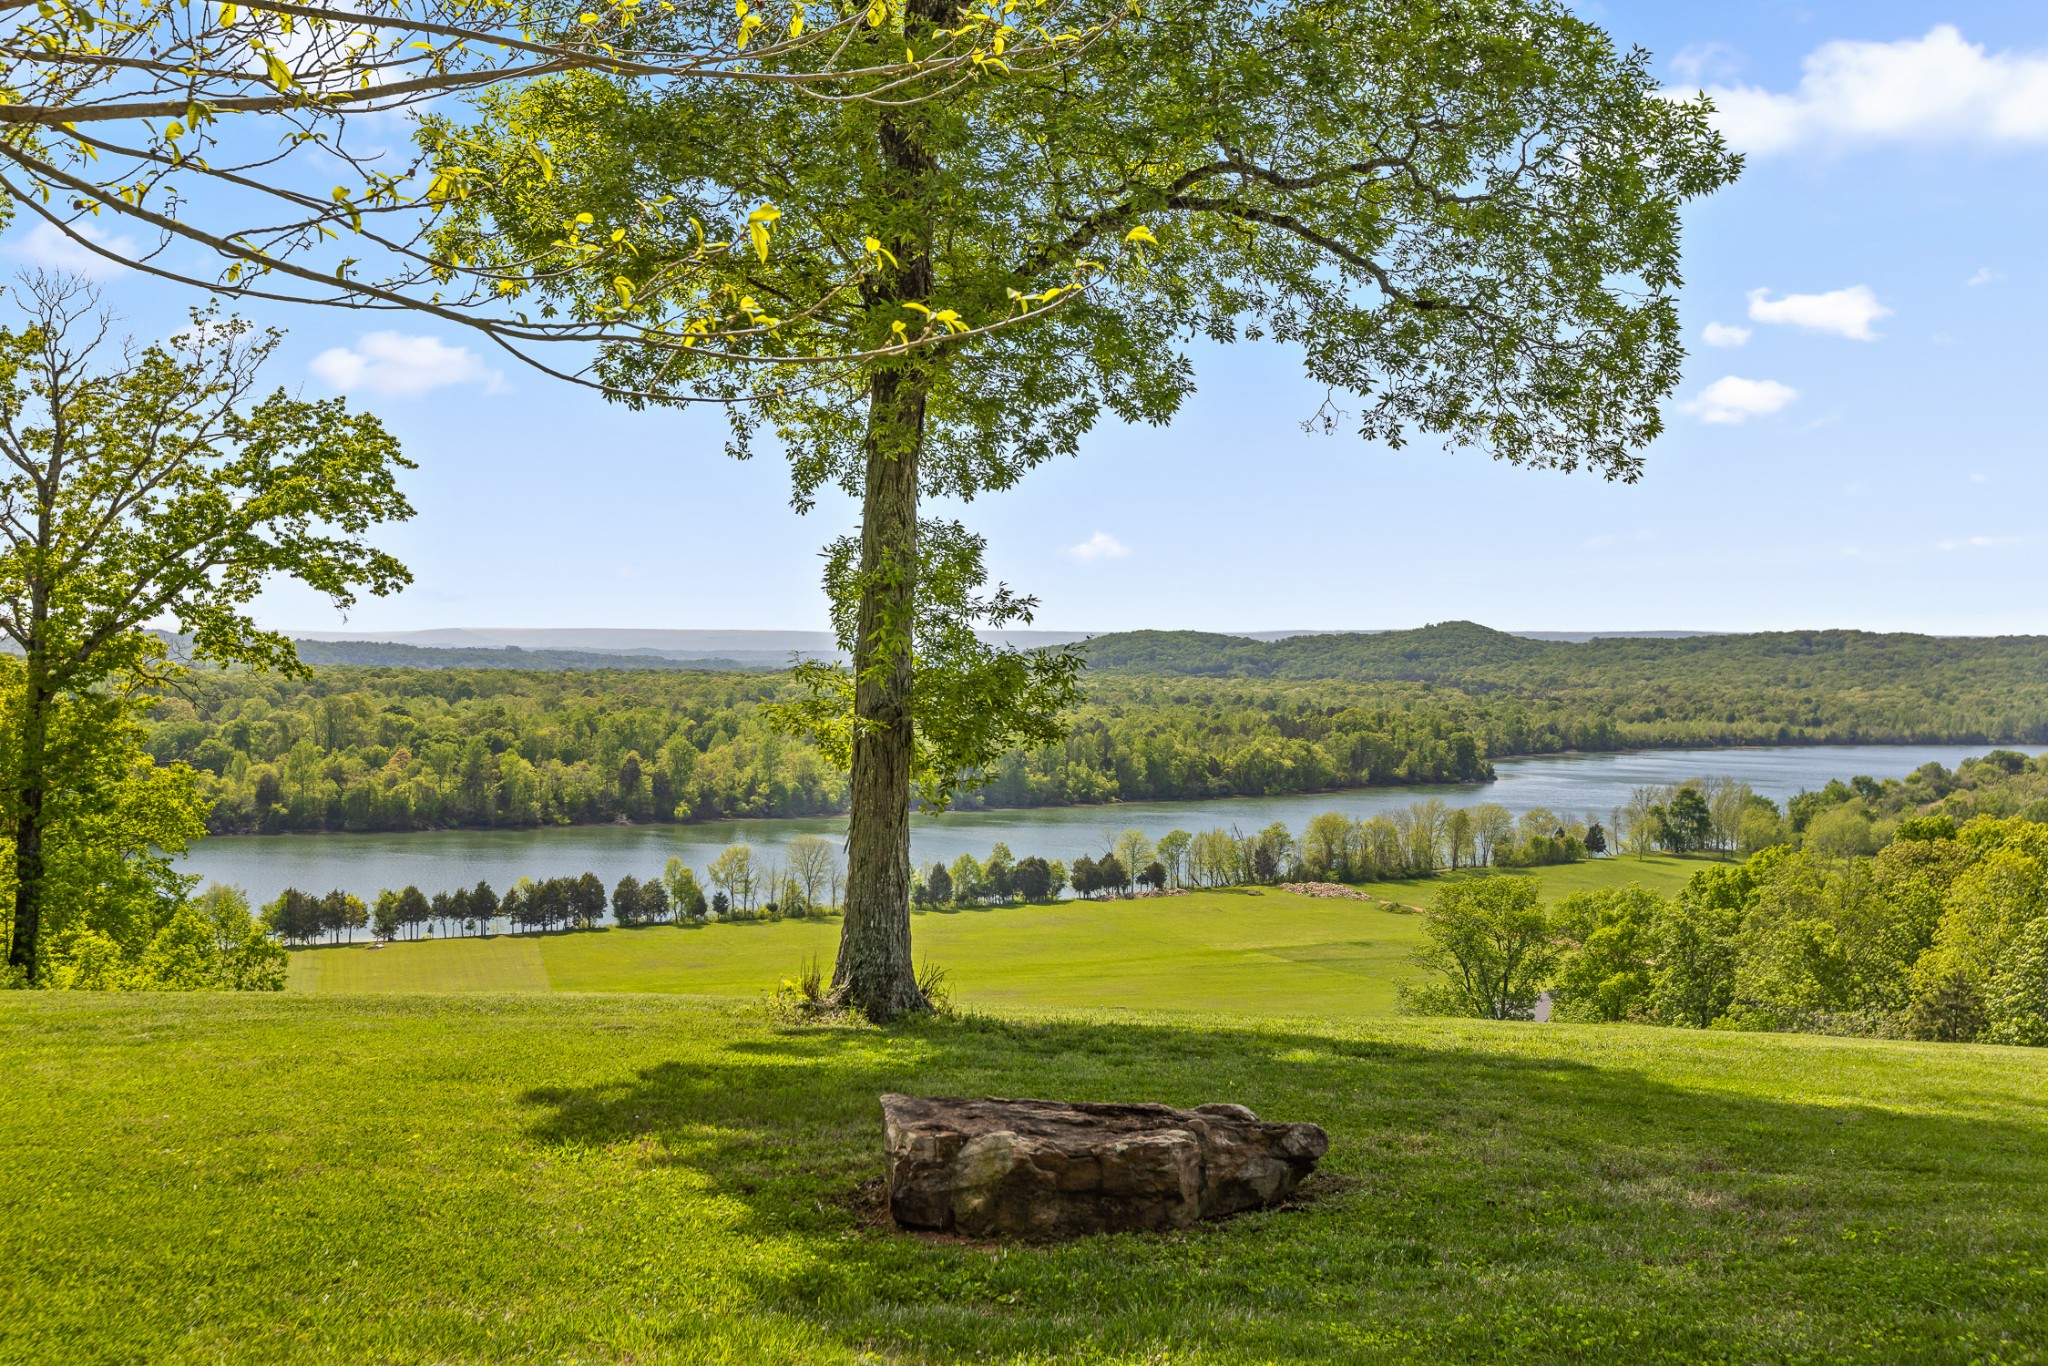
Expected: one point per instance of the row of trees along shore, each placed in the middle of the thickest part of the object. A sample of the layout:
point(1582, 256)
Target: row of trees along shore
point(211, 939)
point(744, 886)
point(1413, 841)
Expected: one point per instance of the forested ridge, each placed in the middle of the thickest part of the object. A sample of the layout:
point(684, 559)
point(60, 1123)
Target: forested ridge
point(401, 749)
point(1775, 687)
point(393, 748)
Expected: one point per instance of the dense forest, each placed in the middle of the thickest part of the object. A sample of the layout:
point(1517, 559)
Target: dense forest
point(1168, 717)
point(1762, 688)
point(404, 749)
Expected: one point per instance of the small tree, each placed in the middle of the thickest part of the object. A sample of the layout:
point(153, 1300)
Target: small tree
point(654, 908)
point(1032, 878)
point(1133, 850)
point(586, 900)
point(733, 873)
point(811, 861)
point(626, 901)
point(483, 904)
point(939, 885)
point(1688, 822)
point(385, 922)
point(244, 957)
point(999, 874)
point(967, 877)
point(685, 897)
point(414, 910)
point(1173, 852)
point(1491, 949)
point(294, 917)
point(148, 485)
point(1265, 868)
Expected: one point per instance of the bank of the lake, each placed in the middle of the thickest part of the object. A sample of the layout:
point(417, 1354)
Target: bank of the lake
point(1575, 783)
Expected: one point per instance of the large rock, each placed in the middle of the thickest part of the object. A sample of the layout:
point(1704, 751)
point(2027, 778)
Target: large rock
point(1042, 1169)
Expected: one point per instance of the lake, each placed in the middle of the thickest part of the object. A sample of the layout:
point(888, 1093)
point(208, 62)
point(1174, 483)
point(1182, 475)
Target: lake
point(264, 865)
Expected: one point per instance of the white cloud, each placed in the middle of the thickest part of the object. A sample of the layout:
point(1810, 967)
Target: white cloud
point(46, 245)
point(1976, 542)
point(1705, 61)
point(392, 363)
point(1939, 88)
point(1733, 399)
point(1100, 546)
point(1726, 334)
point(1985, 276)
point(1845, 312)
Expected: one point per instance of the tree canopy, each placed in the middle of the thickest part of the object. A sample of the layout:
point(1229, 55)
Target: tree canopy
point(154, 483)
point(227, 127)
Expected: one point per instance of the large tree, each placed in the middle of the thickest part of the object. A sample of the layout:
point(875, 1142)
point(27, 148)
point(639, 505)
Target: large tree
point(149, 485)
point(1465, 217)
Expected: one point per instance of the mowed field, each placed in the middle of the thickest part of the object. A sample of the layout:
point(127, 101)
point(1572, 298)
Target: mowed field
point(1243, 949)
point(642, 1179)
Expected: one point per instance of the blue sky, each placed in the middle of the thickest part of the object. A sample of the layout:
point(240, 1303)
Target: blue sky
point(1862, 448)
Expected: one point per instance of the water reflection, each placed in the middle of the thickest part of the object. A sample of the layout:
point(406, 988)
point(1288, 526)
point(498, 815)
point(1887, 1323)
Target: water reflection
point(1574, 783)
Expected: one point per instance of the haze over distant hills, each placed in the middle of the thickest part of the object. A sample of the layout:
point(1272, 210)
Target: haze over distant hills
point(607, 647)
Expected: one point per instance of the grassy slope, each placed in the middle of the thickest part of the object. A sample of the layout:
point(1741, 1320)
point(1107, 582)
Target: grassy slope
point(654, 1179)
point(1231, 950)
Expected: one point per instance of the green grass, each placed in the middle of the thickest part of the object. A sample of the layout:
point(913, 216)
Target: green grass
point(1241, 950)
point(642, 1178)
point(504, 963)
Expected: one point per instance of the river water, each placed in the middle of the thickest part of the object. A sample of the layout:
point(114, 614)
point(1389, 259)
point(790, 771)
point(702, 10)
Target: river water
point(264, 865)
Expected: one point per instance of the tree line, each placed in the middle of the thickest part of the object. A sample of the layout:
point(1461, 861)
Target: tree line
point(744, 886)
point(1773, 687)
point(397, 749)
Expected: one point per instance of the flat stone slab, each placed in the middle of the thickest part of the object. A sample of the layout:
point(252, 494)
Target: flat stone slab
point(1046, 1169)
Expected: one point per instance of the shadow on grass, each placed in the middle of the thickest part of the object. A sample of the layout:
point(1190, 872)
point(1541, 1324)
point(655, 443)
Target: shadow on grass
point(1491, 1201)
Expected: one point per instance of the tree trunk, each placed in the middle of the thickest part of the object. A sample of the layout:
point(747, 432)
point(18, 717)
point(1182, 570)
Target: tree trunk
point(874, 973)
point(23, 949)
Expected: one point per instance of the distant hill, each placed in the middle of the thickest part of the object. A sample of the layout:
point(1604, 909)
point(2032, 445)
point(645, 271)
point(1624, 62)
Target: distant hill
point(384, 654)
point(1477, 658)
point(510, 657)
point(613, 648)
point(1454, 647)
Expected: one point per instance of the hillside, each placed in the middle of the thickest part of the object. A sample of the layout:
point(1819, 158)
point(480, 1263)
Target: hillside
point(651, 1180)
point(385, 654)
point(1721, 689)
point(1463, 654)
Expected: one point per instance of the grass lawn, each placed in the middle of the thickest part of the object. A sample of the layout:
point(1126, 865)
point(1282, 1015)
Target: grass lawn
point(1255, 950)
point(648, 1178)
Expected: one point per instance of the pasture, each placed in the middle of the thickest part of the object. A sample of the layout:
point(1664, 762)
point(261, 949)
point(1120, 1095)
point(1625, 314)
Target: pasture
point(1238, 949)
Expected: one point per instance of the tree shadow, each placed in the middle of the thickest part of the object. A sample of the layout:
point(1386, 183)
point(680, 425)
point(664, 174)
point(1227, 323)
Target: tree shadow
point(1483, 1198)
